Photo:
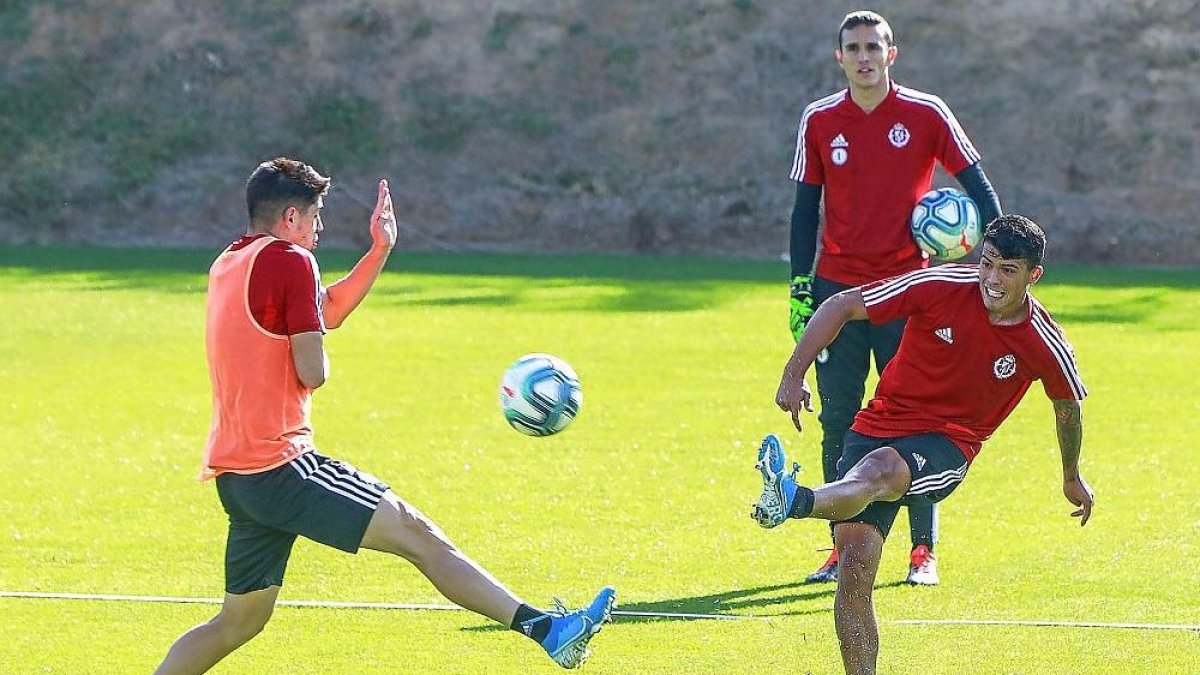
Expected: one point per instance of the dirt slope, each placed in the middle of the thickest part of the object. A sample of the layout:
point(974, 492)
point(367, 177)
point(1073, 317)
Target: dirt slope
point(577, 125)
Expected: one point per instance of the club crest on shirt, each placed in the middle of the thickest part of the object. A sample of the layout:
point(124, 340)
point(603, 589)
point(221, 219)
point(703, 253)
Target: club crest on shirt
point(899, 135)
point(1005, 367)
point(840, 150)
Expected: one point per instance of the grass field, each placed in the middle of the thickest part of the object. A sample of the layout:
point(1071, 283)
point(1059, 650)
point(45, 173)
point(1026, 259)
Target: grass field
point(104, 407)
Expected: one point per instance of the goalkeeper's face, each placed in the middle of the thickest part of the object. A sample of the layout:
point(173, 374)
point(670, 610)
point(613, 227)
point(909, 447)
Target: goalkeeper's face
point(865, 56)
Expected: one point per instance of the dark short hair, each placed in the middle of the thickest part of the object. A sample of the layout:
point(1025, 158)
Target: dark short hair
point(864, 18)
point(281, 182)
point(1017, 237)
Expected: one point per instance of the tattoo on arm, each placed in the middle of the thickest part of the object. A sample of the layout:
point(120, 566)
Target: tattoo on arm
point(1068, 418)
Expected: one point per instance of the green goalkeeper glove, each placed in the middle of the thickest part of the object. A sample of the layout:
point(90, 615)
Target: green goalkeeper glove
point(801, 305)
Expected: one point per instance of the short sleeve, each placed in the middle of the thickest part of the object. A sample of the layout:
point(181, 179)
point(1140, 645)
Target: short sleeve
point(954, 149)
point(807, 166)
point(285, 290)
point(1060, 372)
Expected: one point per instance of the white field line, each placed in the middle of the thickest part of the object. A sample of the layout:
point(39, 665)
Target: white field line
point(1055, 624)
point(102, 597)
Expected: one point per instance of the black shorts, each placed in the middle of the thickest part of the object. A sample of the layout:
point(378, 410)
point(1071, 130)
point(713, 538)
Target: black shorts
point(328, 501)
point(936, 463)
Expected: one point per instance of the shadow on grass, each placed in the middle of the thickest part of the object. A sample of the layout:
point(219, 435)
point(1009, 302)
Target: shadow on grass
point(729, 604)
point(77, 258)
point(536, 282)
point(57, 259)
point(1123, 310)
point(546, 282)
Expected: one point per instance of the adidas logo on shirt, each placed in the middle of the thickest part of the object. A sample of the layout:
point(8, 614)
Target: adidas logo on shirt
point(945, 334)
point(839, 153)
point(920, 461)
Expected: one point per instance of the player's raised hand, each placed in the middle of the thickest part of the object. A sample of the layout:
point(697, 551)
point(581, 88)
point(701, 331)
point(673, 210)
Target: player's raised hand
point(793, 395)
point(383, 220)
point(1079, 493)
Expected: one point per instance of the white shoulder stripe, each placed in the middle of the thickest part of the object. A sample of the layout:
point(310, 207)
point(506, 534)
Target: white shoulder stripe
point(800, 158)
point(939, 106)
point(956, 274)
point(1059, 348)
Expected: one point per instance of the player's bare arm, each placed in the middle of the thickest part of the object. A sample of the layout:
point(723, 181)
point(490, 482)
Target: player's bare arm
point(312, 363)
point(342, 297)
point(823, 327)
point(1068, 421)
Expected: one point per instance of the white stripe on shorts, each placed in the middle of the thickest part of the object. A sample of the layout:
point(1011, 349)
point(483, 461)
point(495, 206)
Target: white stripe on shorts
point(937, 481)
point(342, 483)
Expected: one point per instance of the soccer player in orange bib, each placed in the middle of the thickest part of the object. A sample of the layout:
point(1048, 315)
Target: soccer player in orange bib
point(267, 315)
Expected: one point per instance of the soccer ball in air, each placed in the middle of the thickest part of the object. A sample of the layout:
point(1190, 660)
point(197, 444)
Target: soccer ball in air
point(945, 224)
point(540, 394)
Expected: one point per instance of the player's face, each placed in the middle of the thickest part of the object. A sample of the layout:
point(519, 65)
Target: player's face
point(304, 225)
point(865, 56)
point(1004, 282)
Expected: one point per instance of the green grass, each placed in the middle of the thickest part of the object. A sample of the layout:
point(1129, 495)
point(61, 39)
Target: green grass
point(105, 407)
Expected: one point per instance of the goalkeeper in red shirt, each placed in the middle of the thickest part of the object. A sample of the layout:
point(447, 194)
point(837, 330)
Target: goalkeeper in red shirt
point(870, 150)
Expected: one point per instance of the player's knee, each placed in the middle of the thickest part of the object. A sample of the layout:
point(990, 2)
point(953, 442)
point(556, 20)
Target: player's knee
point(883, 474)
point(239, 627)
point(414, 537)
point(424, 542)
point(858, 561)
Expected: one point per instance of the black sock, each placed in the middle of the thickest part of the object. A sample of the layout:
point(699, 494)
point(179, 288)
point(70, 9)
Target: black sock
point(803, 505)
point(531, 622)
point(921, 521)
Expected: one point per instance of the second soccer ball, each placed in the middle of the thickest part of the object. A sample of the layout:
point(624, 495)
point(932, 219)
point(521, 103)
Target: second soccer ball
point(945, 224)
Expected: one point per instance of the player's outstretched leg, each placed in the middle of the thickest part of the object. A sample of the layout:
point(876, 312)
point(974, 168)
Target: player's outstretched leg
point(779, 488)
point(880, 476)
point(570, 631)
point(400, 528)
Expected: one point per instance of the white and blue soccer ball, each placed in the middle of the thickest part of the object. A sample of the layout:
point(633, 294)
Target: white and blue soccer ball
point(945, 224)
point(540, 394)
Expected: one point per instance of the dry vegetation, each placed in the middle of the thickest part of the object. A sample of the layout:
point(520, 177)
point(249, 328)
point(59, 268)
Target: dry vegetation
point(533, 125)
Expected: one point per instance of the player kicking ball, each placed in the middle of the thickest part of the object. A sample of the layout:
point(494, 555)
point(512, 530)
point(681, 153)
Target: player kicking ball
point(974, 342)
point(267, 314)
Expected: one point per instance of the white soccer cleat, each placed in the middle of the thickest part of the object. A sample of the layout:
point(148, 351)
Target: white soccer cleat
point(922, 567)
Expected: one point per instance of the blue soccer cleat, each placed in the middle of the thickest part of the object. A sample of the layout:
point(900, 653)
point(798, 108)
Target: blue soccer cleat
point(779, 488)
point(570, 632)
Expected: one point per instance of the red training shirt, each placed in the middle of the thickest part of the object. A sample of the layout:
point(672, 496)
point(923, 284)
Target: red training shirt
point(285, 288)
point(956, 373)
point(874, 168)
